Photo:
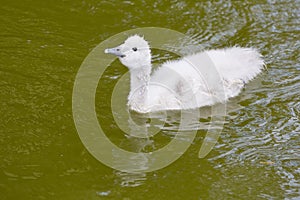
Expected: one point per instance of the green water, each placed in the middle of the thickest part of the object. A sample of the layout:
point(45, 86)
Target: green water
point(43, 44)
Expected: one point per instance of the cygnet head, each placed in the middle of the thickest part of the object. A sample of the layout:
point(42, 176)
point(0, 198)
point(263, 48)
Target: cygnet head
point(133, 53)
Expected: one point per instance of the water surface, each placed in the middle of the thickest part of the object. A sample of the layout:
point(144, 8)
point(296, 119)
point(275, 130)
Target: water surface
point(42, 47)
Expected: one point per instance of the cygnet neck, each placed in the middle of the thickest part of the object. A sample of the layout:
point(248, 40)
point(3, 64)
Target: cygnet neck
point(139, 81)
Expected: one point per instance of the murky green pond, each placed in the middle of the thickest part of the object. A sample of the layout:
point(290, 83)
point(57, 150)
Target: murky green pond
point(43, 44)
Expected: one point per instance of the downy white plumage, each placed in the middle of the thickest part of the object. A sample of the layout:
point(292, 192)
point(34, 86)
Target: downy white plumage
point(197, 80)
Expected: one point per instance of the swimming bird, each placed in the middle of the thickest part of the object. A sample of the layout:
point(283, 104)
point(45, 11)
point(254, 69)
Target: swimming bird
point(201, 79)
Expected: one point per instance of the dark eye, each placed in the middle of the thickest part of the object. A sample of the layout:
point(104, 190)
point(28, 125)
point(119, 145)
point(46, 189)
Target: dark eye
point(134, 49)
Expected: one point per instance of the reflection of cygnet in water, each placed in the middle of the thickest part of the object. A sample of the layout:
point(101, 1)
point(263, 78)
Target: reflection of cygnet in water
point(196, 80)
point(137, 141)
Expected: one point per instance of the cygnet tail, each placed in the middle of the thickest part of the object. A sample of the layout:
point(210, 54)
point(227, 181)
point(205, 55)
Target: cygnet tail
point(237, 63)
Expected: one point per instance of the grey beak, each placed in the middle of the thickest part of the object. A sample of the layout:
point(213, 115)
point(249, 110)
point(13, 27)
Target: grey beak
point(115, 51)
